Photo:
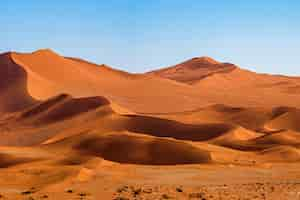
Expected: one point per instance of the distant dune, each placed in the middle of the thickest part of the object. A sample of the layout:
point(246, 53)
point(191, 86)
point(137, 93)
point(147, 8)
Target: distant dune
point(194, 70)
point(50, 74)
point(193, 84)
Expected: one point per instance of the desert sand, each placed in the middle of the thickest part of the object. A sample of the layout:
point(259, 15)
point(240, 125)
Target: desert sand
point(201, 129)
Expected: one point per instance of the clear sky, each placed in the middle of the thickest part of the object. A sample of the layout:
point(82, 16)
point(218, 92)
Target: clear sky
point(139, 35)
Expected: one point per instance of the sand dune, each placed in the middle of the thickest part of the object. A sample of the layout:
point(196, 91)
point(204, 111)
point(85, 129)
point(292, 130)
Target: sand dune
point(286, 120)
point(47, 74)
point(97, 114)
point(244, 140)
point(229, 84)
point(62, 107)
point(7, 160)
point(221, 124)
point(167, 128)
point(279, 138)
point(127, 147)
point(193, 70)
point(11, 156)
point(142, 150)
point(237, 134)
point(50, 74)
point(65, 122)
point(13, 82)
point(281, 154)
point(250, 118)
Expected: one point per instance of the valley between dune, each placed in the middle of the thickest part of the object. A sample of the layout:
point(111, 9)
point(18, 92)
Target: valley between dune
point(71, 129)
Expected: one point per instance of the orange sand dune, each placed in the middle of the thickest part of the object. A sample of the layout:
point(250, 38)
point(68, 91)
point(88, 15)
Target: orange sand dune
point(50, 74)
point(67, 123)
point(229, 84)
point(7, 160)
point(244, 140)
point(281, 154)
point(63, 116)
point(44, 74)
point(286, 120)
point(235, 135)
point(245, 88)
point(193, 70)
point(249, 118)
point(279, 138)
point(128, 148)
point(62, 107)
point(13, 85)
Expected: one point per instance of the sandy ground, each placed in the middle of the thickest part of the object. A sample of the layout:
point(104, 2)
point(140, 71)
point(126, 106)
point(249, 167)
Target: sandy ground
point(109, 180)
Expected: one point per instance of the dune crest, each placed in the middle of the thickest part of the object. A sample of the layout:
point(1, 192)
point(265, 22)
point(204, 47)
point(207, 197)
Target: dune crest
point(193, 70)
point(49, 74)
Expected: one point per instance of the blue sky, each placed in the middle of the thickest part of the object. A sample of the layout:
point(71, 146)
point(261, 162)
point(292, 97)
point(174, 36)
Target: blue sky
point(139, 35)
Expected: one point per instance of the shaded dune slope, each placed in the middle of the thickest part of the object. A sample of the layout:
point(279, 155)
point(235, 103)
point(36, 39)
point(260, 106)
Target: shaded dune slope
point(259, 143)
point(250, 130)
point(11, 156)
point(228, 134)
point(257, 119)
point(249, 118)
point(8, 160)
point(281, 154)
point(248, 141)
point(13, 86)
point(168, 128)
point(279, 138)
point(125, 148)
point(287, 119)
point(62, 107)
point(44, 120)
